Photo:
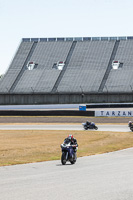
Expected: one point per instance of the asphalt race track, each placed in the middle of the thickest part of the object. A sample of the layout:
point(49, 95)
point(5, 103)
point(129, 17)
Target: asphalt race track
point(116, 128)
point(100, 177)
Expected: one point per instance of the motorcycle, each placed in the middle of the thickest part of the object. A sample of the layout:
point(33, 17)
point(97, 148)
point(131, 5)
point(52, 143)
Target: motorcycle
point(68, 153)
point(130, 125)
point(131, 128)
point(91, 126)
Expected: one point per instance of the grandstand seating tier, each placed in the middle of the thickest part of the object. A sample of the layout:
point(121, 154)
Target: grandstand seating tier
point(83, 72)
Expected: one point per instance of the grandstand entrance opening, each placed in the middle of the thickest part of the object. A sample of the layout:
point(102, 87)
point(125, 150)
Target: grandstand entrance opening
point(115, 64)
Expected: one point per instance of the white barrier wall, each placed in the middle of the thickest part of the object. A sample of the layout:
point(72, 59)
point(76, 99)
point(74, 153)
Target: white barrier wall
point(111, 113)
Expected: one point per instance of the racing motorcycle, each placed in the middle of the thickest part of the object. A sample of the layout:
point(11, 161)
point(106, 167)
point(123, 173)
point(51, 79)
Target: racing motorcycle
point(130, 125)
point(68, 153)
point(131, 128)
point(91, 126)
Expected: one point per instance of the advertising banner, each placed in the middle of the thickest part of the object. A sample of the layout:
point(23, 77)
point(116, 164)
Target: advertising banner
point(113, 113)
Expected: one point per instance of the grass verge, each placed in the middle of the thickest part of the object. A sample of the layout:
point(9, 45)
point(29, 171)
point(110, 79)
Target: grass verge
point(19, 146)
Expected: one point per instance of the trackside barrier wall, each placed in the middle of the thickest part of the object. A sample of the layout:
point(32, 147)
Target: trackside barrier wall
point(101, 113)
point(45, 113)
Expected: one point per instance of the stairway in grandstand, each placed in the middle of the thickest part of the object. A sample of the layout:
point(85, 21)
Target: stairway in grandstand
point(16, 66)
point(121, 80)
point(43, 77)
point(65, 67)
point(103, 83)
point(23, 66)
point(86, 67)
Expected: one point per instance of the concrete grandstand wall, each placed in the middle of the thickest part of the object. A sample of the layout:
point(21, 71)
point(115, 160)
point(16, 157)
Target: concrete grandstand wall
point(28, 99)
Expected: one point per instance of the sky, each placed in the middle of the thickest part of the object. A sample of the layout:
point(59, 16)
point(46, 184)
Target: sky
point(60, 18)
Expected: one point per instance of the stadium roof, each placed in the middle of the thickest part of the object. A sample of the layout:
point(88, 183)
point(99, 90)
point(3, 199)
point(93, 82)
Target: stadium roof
point(77, 39)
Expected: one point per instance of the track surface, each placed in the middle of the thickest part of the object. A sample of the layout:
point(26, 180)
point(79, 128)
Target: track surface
point(101, 177)
point(115, 128)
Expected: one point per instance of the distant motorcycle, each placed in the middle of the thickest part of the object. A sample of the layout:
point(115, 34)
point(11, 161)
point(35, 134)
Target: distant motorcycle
point(131, 128)
point(91, 126)
point(68, 153)
point(130, 125)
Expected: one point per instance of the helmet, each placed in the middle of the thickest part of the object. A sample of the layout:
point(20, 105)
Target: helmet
point(70, 137)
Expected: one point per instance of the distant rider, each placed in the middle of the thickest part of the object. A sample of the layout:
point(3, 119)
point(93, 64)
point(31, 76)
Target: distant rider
point(90, 123)
point(130, 123)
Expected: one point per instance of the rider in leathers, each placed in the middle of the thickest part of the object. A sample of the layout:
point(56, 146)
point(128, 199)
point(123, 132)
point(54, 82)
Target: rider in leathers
point(72, 141)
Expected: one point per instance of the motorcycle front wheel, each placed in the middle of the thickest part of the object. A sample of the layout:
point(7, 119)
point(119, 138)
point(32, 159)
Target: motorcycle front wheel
point(131, 128)
point(96, 128)
point(72, 162)
point(63, 159)
point(85, 128)
point(74, 159)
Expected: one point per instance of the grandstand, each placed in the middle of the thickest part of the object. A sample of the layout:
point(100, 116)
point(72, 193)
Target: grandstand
point(70, 70)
